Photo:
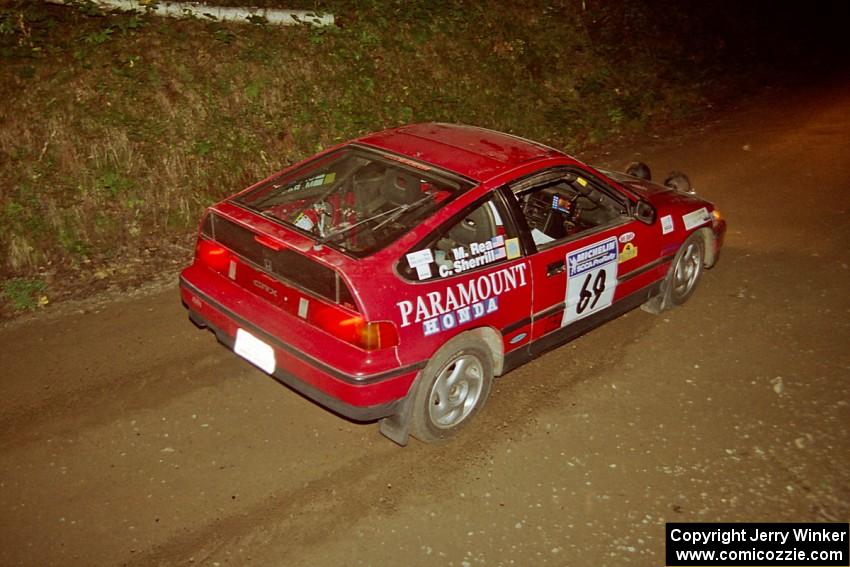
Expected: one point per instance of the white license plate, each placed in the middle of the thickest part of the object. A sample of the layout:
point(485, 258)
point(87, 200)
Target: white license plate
point(254, 350)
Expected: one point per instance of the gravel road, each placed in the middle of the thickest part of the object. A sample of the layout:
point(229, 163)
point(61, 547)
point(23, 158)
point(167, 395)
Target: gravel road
point(129, 437)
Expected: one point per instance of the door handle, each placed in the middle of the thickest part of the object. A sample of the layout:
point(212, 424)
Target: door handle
point(556, 268)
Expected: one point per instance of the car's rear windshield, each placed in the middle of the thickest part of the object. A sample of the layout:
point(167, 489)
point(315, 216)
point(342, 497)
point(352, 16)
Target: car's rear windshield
point(355, 199)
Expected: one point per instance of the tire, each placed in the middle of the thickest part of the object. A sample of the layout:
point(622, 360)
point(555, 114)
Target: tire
point(683, 277)
point(452, 388)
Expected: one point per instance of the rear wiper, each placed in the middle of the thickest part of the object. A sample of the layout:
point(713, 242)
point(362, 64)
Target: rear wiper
point(393, 213)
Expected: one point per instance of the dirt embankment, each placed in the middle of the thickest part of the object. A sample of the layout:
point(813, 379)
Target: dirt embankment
point(118, 129)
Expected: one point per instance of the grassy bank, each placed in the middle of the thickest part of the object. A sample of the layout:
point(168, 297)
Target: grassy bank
point(117, 129)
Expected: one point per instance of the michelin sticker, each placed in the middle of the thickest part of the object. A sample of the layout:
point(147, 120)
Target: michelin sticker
point(458, 304)
point(696, 218)
point(591, 279)
point(666, 224)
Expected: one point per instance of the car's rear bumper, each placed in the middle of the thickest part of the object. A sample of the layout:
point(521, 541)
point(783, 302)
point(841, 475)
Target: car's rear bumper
point(360, 397)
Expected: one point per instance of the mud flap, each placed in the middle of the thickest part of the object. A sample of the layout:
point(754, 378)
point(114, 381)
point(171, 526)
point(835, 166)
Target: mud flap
point(658, 302)
point(396, 427)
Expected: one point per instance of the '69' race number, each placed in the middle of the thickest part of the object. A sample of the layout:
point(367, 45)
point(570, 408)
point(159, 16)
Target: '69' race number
point(591, 279)
point(589, 292)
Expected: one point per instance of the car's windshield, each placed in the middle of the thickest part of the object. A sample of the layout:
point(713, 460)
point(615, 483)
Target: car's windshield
point(355, 199)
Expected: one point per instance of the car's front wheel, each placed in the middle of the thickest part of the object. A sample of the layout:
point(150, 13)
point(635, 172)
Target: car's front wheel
point(453, 387)
point(687, 269)
point(682, 279)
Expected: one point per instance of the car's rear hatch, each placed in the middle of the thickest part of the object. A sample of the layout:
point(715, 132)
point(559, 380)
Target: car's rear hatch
point(265, 266)
point(310, 306)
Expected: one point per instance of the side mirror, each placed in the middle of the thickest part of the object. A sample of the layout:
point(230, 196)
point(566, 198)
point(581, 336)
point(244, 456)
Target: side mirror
point(644, 212)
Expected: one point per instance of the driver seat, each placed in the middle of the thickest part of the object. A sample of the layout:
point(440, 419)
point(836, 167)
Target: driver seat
point(400, 187)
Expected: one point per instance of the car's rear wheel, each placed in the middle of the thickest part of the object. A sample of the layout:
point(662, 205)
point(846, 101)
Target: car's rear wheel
point(682, 279)
point(453, 387)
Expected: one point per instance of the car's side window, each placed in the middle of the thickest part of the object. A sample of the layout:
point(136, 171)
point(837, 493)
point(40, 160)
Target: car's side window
point(564, 206)
point(479, 238)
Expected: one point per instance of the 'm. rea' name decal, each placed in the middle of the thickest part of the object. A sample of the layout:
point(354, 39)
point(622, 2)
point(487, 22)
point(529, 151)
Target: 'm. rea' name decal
point(480, 253)
point(462, 302)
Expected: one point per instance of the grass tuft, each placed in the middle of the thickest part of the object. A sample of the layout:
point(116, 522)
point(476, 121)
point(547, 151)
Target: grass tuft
point(24, 294)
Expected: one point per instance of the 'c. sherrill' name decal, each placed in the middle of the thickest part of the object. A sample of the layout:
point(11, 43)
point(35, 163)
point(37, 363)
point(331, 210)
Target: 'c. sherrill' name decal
point(461, 302)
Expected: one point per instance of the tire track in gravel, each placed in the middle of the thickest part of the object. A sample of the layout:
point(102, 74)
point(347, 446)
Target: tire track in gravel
point(382, 482)
point(72, 413)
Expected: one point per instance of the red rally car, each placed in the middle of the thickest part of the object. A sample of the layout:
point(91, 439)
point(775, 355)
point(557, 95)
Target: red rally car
point(393, 276)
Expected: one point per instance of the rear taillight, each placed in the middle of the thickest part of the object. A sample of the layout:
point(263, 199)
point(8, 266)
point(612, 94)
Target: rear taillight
point(376, 335)
point(213, 255)
point(353, 329)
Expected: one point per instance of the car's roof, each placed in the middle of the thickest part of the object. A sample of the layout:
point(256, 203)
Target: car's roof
point(476, 153)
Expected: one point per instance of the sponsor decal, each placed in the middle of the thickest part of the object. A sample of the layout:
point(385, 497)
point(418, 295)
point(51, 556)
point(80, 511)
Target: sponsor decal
point(581, 181)
point(666, 224)
point(303, 305)
point(696, 218)
point(463, 315)
point(320, 180)
point(458, 304)
point(591, 257)
point(626, 237)
point(304, 222)
point(315, 181)
point(420, 257)
point(518, 338)
point(629, 251)
point(591, 279)
point(421, 262)
point(512, 248)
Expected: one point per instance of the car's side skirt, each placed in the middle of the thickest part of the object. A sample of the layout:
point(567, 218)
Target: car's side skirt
point(558, 337)
point(645, 268)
